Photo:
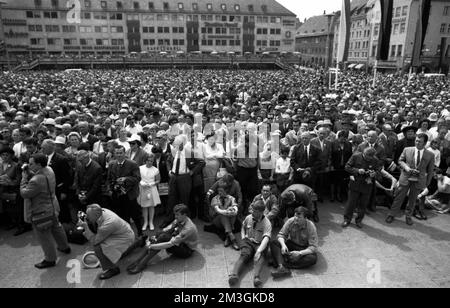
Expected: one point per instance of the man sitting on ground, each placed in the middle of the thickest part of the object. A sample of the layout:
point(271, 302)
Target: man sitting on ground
point(180, 238)
point(296, 244)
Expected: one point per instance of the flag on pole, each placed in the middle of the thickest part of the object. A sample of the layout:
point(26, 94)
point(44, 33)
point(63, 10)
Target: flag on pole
point(421, 30)
point(344, 32)
point(384, 38)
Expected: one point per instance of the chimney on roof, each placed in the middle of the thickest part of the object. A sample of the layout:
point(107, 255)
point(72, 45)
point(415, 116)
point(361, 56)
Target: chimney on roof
point(324, 12)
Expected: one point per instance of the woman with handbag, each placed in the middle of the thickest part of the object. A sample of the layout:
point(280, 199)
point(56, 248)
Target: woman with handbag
point(42, 209)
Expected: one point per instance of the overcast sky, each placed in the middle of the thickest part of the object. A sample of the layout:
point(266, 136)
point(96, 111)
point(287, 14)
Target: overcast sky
point(308, 8)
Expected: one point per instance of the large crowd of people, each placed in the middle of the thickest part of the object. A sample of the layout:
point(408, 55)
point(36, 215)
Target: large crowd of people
point(250, 152)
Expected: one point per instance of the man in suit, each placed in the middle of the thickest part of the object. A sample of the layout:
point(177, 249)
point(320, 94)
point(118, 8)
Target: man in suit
point(185, 171)
point(38, 187)
point(110, 129)
point(364, 168)
point(64, 179)
point(88, 180)
point(299, 195)
point(86, 137)
point(285, 125)
point(324, 145)
point(409, 134)
point(123, 185)
point(136, 153)
point(417, 165)
point(305, 160)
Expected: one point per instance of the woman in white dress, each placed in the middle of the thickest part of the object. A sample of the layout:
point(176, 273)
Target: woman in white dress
point(148, 191)
point(214, 153)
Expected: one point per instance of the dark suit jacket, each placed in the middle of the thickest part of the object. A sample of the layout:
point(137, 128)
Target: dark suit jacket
point(325, 154)
point(90, 180)
point(356, 162)
point(285, 128)
point(140, 158)
point(163, 168)
point(337, 153)
point(299, 160)
point(63, 173)
point(303, 196)
point(195, 165)
point(130, 171)
point(401, 145)
point(91, 140)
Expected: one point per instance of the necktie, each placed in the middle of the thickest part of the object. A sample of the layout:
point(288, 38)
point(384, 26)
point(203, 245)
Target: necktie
point(177, 166)
point(306, 154)
point(418, 159)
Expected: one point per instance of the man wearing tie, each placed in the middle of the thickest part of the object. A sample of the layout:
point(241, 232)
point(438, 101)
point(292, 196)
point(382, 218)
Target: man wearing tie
point(184, 170)
point(325, 160)
point(123, 185)
point(305, 161)
point(417, 166)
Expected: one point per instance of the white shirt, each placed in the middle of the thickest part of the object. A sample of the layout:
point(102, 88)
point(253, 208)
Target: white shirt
point(183, 168)
point(125, 144)
point(437, 156)
point(283, 165)
point(135, 129)
point(49, 158)
point(85, 138)
point(98, 149)
point(19, 148)
point(416, 152)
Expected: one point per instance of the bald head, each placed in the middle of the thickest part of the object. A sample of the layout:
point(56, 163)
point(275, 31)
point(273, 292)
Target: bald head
point(93, 212)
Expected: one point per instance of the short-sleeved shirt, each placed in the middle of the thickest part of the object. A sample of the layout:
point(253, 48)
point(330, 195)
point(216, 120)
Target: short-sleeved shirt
point(187, 235)
point(256, 231)
point(303, 235)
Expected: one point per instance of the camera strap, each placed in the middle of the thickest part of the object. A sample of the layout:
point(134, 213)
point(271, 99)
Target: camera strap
point(51, 195)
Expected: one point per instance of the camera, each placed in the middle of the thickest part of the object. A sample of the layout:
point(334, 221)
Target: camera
point(82, 216)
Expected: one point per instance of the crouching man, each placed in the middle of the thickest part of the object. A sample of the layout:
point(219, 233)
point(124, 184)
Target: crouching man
point(256, 231)
point(110, 235)
point(180, 239)
point(296, 244)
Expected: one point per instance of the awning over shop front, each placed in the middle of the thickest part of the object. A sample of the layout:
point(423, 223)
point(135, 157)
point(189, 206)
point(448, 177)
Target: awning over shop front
point(351, 65)
point(359, 66)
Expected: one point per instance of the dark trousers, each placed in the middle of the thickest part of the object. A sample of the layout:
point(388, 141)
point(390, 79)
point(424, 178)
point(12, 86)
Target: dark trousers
point(196, 202)
point(104, 260)
point(279, 259)
point(180, 187)
point(126, 209)
point(248, 179)
point(181, 251)
point(47, 238)
point(356, 199)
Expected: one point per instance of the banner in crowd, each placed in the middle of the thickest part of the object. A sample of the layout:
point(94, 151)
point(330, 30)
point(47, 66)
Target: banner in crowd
point(344, 32)
point(384, 38)
point(421, 30)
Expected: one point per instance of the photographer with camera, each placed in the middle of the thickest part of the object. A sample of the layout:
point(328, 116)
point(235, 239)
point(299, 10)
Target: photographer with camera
point(123, 186)
point(364, 169)
point(110, 236)
point(42, 208)
point(417, 165)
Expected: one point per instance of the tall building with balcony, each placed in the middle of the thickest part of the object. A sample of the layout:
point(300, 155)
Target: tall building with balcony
point(314, 40)
point(96, 27)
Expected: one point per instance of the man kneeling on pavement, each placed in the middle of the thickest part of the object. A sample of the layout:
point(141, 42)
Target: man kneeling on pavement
point(110, 235)
point(296, 244)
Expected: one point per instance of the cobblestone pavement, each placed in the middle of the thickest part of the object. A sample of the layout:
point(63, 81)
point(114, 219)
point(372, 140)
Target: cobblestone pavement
point(417, 256)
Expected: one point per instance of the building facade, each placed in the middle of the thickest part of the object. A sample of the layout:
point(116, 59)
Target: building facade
point(314, 40)
point(365, 28)
point(95, 27)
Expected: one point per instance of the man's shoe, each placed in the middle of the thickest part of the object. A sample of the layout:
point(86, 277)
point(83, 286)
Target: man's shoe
point(409, 221)
point(235, 245)
point(345, 224)
point(359, 225)
point(420, 215)
point(390, 219)
point(137, 269)
point(109, 273)
point(339, 199)
point(232, 279)
point(66, 251)
point(45, 264)
point(227, 242)
point(257, 282)
point(281, 272)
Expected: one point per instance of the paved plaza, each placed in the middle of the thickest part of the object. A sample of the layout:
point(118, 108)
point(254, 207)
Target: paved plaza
point(417, 256)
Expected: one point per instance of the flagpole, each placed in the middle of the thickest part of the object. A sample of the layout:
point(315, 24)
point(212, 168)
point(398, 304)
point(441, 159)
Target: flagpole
point(410, 75)
point(337, 76)
point(375, 73)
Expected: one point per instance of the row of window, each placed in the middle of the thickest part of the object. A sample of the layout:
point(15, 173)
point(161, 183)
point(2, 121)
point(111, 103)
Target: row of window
point(445, 28)
point(401, 11)
point(357, 54)
point(359, 34)
point(263, 43)
point(74, 41)
point(358, 45)
point(397, 26)
point(265, 31)
point(163, 42)
point(166, 6)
